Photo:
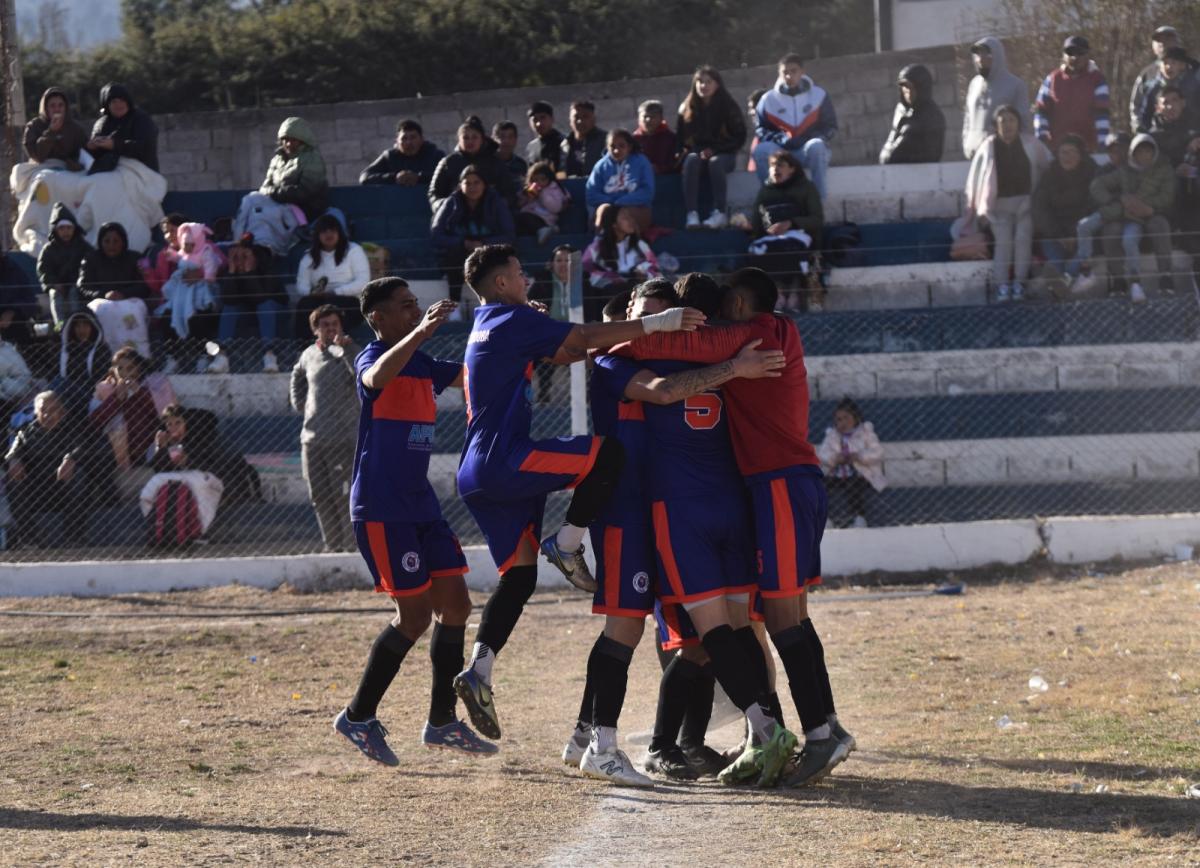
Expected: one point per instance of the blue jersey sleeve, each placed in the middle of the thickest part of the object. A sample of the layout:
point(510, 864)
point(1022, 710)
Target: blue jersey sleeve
point(362, 362)
point(535, 335)
point(614, 374)
point(443, 373)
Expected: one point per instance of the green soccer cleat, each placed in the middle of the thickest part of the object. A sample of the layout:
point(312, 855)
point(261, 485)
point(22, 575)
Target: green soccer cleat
point(748, 766)
point(776, 754)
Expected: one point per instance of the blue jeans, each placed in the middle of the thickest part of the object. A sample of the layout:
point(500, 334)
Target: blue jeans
point(813, 156)
point(268, 321)
point(1085, 239)
point(1055, 252)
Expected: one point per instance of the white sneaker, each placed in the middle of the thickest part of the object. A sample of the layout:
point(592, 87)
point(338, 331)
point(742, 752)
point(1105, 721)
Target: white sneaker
point(859, 521)
point(270, 363)
point(218, 365)
point(716, 220)
point(1003, 293)
point(1017, 292)
point(612, 766)
point(693, 220)
point(577, 746)
point(1083, 284)
point(1137, 295)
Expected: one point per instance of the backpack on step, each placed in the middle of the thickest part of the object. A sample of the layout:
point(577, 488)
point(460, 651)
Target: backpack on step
point(175, 518)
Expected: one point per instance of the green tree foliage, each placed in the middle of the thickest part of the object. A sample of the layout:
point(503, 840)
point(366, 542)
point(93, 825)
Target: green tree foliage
point(184, 55)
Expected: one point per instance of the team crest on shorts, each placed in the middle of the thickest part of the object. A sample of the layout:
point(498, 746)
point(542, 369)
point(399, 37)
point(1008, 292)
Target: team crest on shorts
point(641, 582)
point(411, 562)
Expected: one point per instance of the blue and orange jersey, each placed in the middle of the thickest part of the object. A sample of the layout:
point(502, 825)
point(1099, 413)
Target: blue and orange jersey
point(395, 439)
point(504, 343)
point(613, 416)
point(688, 442)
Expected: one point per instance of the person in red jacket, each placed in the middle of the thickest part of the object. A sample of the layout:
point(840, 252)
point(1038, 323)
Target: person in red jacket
point(768, 423)
point(1073, 99)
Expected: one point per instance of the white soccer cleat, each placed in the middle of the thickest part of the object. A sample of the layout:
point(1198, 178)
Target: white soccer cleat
point(577, 746)
point(612, 766)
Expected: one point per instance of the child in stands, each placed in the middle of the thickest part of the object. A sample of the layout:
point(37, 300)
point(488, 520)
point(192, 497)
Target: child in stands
point(852, 459)
point(542, 201)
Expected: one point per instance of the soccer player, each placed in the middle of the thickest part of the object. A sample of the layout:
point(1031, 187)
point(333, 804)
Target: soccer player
point(622, 535)
point(504, 475)
point(768, 421)
point(409, 548)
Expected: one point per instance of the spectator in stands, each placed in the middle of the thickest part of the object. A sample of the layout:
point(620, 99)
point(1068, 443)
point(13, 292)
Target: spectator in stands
point(44, 472)
point(504, 134)
point(1175, 73)
point(53, 137)
point(1073, 99)
point(542, 201)
point(1136, 202)
point(15, 379)
point(1079, 269)
point(615, 260)
point(59, 262)
point(294, 191)
point(1187, 201)
point(786, 226)
point(324, 390)
point(1004, 173)
point(247, 283)
point(918, 126)
point(992, 86)
point(752, 117)
point(161, 259)
point(18, 301)
point(190, 295)
point(125, 406)
point(710, 130)
point(553, 286)
point(81, 361)
point(852, 458)
point(1174, 124)
point(112, 288)
point(334, 271)
point(623, 178)
point(470, 217)
point(410, 162)
point(655, 139)
point(585, 144)
point(1163, 39)
point(472, 150)
point(122, 132)
point(546, 144)
point(1061, 200)
point(796, 115)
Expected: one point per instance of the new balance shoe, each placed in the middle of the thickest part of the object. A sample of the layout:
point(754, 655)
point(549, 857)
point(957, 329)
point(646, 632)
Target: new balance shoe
point(612, 766)
point(708, 763)
point(577, 745)
point(670, 763)
point(370, 737)
point(776, 754)
point(844, 737)
point(476, 695)
point(456, 736)
point(816, 761)
point(571, 564)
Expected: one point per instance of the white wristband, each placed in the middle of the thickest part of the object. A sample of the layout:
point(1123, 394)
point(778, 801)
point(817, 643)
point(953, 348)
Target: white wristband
point(670, 320)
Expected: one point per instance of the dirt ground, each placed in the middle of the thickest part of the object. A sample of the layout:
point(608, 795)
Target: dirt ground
point(157, 739)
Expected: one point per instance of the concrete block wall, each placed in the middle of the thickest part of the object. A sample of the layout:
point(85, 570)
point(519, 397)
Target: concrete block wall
point(230, 150)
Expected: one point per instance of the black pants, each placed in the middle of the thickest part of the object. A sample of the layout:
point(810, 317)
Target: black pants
point(847, 498)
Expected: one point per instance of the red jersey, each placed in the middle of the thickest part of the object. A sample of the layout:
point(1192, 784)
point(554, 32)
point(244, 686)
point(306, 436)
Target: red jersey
point(768, 418)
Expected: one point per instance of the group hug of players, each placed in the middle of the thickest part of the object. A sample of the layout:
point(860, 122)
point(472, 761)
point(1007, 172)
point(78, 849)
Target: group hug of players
point(704, 501)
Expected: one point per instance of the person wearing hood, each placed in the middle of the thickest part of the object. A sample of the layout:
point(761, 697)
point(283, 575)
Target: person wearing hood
point(1162, 40)
point(992, 87)
point(711, 129)
point(122, 132)
point(796, 115)
point(473, 149)
point(296, 174)
point(190, 294)
point(54, 135)
point(918, 125)
point(470, 217)
point(82, 361)
point(1136, 200)
point(1073, 100)
point(410, 162)
point(1062, 199)
point(622, 178)
point(111, 285)
point(59, 262)
point(1004, 172)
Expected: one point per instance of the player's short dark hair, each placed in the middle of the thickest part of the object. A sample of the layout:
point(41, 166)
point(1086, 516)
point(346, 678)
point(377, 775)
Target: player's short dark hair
point(792, 57)
point(658, 288)
point(323, 311)
point(408, 125)
point(377, 291)
point(540, 107)
point(617, 305)
point(501, 126)
point(484, 262)
point(758, 285)
point(700, 291)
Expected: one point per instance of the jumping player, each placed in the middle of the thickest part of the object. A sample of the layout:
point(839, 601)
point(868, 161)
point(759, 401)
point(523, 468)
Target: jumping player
point(768, 421)
point(411, 552)
point(622, 536)
point(504, 475)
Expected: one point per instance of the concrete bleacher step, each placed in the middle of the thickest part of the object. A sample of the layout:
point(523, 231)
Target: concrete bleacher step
point(913, 285)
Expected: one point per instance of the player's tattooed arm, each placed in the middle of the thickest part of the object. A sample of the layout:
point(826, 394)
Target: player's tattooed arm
point(750, 363)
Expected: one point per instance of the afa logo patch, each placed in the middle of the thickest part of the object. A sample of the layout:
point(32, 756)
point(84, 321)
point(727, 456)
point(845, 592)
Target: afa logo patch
point(411, 562)
point(641, 582)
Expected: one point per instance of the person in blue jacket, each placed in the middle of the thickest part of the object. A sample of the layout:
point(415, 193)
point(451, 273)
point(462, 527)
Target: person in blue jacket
point(798, 116)
point(623, 178)
point(470, 217)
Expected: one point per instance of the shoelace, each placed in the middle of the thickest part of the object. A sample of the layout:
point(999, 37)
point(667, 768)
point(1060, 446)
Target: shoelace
point(376, 726)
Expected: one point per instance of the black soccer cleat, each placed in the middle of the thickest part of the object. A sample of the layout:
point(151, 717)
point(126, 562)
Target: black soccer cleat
point(670, 763)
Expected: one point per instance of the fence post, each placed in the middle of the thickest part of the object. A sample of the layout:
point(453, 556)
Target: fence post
point(579, 409)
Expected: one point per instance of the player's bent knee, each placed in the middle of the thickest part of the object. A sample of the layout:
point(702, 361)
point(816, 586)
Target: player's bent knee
point(627, 631)
point(451, 601)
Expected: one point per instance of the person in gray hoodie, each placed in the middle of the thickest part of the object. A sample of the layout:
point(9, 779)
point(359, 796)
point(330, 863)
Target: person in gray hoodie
point(992, 87)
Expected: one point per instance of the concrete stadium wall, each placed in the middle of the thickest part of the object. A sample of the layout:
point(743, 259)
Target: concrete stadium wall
point(230, 150)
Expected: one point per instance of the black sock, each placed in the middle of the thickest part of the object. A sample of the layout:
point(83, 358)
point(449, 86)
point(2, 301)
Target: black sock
point(446, 655)
point(387, 653)
point(608, 670)
point(588, 700)
point(754, 654)
point(699, 709)
point(774, 708)
point(802, 677)
point(505, 606)
point(674, 693)
point(593, 493)
point(818, 654)
point(664, 656)
point(732, 670)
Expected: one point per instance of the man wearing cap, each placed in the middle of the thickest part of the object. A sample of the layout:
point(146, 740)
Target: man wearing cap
point(992, 87)
point(1164, 39)
point(1073, 99)
point(1174, 72)
point(546, 144)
